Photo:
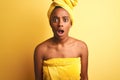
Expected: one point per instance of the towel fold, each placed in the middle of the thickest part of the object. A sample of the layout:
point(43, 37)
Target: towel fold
point(66, 4)
point(61, 69)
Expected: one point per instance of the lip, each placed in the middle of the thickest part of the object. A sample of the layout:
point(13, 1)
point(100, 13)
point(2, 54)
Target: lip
point(60, 32)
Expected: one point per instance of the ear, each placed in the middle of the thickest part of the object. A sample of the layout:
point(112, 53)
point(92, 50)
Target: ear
point(70, 22)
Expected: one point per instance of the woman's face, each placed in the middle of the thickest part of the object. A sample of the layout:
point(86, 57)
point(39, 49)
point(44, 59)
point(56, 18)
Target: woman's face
point(60, 22)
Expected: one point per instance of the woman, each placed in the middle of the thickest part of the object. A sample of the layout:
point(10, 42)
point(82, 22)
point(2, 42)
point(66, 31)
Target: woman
point(61, 57)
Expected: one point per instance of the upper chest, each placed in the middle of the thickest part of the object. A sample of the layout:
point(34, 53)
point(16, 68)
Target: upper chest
point(63, 51)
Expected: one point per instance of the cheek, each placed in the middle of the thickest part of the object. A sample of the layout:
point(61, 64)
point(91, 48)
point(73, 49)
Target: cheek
point(67, 28)
point(53, 25)
point(68, 25)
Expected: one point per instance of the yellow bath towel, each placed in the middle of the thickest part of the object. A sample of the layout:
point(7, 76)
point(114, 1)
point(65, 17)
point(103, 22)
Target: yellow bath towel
point(66, 4)
point(61, 69)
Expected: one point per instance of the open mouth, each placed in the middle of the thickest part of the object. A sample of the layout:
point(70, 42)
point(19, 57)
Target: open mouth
point(61, 31)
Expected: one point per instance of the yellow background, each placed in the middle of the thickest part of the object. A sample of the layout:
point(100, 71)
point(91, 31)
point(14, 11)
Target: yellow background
point(24, 24)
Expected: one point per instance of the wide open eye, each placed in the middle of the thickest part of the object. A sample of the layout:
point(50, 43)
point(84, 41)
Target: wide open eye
point(65, 19)
point(55, 20)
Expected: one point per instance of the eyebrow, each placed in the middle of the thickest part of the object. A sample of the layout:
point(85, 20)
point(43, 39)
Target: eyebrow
point(54, 17)
point(62, 16)
point(66, 16)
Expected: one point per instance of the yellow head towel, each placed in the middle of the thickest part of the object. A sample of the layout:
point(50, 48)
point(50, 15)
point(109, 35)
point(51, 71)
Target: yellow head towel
point(66, 4)
point(61, 69)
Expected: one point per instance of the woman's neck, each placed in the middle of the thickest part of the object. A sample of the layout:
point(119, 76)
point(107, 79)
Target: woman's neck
point(61, 41)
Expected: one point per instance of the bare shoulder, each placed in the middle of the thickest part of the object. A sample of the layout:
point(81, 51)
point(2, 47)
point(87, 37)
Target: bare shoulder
point(80, 43)
point(81, 46)
point(41, 48)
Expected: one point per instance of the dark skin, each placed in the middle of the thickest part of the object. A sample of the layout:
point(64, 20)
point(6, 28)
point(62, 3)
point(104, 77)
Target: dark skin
point(61, 45)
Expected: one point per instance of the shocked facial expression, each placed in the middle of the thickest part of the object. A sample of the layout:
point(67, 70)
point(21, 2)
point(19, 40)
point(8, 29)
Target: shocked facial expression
point(60, 22)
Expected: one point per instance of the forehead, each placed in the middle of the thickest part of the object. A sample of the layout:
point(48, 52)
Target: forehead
point(59, 12)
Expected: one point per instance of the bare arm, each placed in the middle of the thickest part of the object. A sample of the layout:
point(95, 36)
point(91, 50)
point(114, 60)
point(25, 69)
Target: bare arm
point(84, 63)
point(38, 64)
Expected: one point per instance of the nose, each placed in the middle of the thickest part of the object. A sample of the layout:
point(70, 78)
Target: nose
point(60, 23)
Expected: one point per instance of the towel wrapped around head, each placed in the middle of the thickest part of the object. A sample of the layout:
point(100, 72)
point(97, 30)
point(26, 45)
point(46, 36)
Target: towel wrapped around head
point(66, 4)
